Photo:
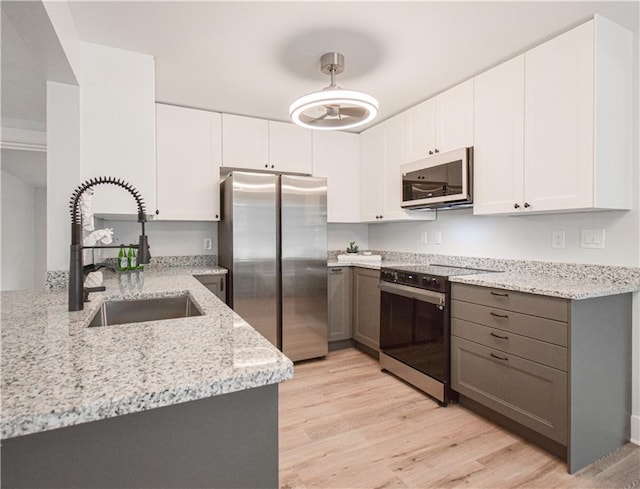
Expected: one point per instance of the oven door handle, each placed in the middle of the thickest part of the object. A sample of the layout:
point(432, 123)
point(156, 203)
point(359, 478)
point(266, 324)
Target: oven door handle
point(423, 295)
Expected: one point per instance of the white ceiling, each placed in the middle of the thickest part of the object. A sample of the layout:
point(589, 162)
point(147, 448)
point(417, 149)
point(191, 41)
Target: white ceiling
point(255, 58)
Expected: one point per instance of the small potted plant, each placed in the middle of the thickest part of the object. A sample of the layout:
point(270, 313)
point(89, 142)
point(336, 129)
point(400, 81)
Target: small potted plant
point(353, 248)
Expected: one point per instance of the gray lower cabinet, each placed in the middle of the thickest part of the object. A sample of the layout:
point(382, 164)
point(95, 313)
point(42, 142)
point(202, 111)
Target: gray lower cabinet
point(217, 284)
point(557, 367)
point(366, 307)
point(339, 293)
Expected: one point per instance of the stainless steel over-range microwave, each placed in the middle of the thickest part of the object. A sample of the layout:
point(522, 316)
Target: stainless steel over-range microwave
point(439, 181)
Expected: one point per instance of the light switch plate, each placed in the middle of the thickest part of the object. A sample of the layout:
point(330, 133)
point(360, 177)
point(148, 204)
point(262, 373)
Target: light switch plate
point(437, 237)
point(592, 238)
point(423, 237)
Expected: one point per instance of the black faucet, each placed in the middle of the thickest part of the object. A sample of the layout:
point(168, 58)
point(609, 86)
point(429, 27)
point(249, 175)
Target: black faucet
point(77, 293)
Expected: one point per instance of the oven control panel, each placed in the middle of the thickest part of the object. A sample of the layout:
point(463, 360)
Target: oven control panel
point(414, 279)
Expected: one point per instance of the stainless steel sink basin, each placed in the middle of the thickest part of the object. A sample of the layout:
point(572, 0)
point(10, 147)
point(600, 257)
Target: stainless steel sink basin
point(136, 311)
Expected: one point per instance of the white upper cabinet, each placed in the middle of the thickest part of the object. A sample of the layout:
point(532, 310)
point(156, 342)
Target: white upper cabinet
point(117, 105)
point(454, 118)
point(442, 123)
point(245, 142)
point(499, 139)
point(381, 188)
point(336, 157)
point(189, 153)
point(372, 183)
point(553, 132)
point(577, 144)
point(258, 144)
point(558, 144)
point(290, 148)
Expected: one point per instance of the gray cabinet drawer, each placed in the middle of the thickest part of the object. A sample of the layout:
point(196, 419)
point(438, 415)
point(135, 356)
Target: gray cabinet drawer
point(537, 351)
point(524, 324)
point(536, 305)
point(531, 394)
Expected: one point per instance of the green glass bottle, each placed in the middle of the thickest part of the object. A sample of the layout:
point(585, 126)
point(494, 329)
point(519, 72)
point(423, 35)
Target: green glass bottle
point(123, 263)
point(131, 258)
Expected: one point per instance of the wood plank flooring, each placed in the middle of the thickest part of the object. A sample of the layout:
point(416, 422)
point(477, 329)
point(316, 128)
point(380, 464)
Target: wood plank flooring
point(345, 424)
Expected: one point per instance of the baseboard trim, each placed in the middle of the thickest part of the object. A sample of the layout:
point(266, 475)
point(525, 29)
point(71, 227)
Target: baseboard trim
point(635, 429)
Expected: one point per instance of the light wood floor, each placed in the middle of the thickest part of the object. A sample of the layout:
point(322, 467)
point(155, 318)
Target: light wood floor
point(345, 424)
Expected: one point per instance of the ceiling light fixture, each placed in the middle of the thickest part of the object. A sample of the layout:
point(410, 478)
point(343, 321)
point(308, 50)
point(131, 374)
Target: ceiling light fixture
point(333, 108)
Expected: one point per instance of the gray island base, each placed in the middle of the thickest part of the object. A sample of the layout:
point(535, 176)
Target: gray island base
point(225, 441)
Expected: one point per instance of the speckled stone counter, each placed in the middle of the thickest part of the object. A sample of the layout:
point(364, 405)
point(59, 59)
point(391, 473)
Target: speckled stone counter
point(549, 285)
point(565, 280)
point(56, 372)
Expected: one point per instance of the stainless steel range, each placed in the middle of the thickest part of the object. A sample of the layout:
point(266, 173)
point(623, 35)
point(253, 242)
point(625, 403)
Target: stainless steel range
point(415, 326)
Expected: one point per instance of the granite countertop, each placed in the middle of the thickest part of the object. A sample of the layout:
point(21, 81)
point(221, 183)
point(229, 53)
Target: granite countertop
point(568, 281)
point(564, 287)
point(187, 270)
point(56, 372)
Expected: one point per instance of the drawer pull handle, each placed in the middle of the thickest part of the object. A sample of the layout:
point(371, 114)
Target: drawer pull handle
point(499, 294)
point(496, 315)
point(499, 336)
point(499, 357)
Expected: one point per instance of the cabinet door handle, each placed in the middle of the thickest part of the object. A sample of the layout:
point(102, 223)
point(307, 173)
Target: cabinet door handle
point(430, 152)
point(526, 205)
point(336, 270)
point(496, 315)
point(222, 285)
point(499, 294)
point(437, 150)
point(498, 336)
point(516, 206)
point(498, 357)
point(266, 166)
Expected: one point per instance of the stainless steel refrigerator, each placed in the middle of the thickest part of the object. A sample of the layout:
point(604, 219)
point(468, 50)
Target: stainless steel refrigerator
point(272, 238)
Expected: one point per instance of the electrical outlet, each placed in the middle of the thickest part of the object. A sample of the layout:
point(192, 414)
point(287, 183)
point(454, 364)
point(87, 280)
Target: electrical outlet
point(592, 238)
point(557, 239)
point(207, 243)
point(437, 237)
point(423, 237)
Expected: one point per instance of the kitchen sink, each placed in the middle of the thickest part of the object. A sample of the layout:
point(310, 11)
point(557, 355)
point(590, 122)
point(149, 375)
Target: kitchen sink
point(136, 311)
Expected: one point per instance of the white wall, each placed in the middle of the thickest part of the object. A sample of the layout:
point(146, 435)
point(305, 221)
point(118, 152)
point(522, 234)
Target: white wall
point(166, 238)
point(527, 237)
point(118, 114)
point(18, 234)
point(340, 235)
point(63, 169)
point(40, 229)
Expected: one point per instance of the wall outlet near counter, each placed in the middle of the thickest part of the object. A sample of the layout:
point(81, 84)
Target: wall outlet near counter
point(557, 239)
point(437, 237)
point(207, 243)
point(423, 237)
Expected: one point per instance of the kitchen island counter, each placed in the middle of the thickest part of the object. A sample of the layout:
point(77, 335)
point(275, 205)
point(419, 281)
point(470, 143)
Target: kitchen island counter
point(57, 372)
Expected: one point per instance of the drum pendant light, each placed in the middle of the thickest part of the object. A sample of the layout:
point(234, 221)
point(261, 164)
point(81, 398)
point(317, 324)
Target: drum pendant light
point(333, 108)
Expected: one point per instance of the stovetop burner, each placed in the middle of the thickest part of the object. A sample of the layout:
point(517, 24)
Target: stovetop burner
point(437, 270)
